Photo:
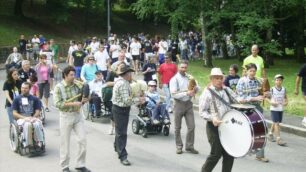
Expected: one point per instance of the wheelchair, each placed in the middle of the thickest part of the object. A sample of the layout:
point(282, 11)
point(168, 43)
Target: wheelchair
point(89, 111)
point(143, 124)
point(17, 138)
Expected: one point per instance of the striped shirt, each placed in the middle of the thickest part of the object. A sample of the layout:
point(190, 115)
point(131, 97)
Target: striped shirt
point(206, 105)
point(63, 92)
point(248, 88)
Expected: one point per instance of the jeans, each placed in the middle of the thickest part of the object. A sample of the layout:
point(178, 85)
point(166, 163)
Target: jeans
point(166, 91)
point(9, 111)
point(160, 111)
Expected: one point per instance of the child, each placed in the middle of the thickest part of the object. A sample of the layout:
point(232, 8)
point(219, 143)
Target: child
point(232, 79)
point(34, 89)
point(155, 105)
point(278, 101)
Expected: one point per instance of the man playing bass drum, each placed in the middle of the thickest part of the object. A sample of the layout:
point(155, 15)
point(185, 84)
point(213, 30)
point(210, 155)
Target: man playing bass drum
point(211, 108)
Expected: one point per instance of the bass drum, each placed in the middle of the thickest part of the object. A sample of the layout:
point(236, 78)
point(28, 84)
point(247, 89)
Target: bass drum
point(242, 132)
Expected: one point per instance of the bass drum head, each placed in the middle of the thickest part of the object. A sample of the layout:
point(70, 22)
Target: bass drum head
point(235, 133)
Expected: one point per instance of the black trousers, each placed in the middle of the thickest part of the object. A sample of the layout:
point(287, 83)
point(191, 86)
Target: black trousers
point(121, 119)
point(216, 151)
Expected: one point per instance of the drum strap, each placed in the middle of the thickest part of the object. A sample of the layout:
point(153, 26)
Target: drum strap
point(214, 94)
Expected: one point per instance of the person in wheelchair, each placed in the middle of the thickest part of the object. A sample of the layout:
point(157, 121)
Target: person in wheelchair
point(158, 109)
point(26, 111)
point(95, 92)
point(13, 60)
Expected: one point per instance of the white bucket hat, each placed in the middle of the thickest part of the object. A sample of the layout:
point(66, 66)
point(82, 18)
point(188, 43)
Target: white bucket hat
point(216, 72)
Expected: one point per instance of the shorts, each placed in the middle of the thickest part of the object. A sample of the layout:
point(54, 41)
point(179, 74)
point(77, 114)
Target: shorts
point(52, 74)
point(136, 57)
point(78, 71)
point(277, 116)
point(44, 90)
point(161, 58)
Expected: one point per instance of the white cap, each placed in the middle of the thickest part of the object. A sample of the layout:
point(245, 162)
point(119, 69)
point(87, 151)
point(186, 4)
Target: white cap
point(216, 72)
point(152, 83)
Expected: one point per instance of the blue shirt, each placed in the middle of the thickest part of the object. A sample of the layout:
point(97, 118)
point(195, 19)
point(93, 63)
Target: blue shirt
point(153, 96)
point(26, 105)
point(88, 72)
point(248, 88)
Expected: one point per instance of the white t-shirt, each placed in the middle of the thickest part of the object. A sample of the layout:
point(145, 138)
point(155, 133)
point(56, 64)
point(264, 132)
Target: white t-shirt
point(162, 47)
point(115, 48)
point(135, 48)
point(72, 49)
point(101, 59)
point(277, 96)
point(49, 55)
point(94, 47)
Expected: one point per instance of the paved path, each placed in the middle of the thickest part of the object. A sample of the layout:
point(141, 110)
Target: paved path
point(153, 154)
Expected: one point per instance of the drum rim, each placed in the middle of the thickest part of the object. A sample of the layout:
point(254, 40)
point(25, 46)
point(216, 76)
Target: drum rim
point(265, 126)
point(251, 106)
point(252, 133)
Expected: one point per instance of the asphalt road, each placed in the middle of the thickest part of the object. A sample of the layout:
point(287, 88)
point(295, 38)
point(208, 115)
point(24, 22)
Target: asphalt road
point(153, 154)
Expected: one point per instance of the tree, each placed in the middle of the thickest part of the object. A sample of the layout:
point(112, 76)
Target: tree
point(18, 8)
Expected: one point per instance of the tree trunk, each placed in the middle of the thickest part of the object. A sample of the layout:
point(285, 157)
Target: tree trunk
point(207, 43)
point(300, 32)
point(18, 8)
point(224, 48)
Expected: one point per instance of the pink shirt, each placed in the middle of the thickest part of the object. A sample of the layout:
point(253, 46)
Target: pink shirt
point(44, 73)
point(34, 89)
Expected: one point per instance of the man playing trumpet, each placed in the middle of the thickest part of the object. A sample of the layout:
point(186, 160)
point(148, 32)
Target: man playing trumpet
point(66, 99)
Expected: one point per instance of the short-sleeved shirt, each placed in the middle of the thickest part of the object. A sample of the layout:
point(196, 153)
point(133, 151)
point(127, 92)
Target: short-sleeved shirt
point(24, 76)
point(302, 74)
point(231, 81)
point(78, 56)
point(258, 61)
point(13, 89)
point(26, 105)
point(167, 71)
point(148, 75)
point(148, 47)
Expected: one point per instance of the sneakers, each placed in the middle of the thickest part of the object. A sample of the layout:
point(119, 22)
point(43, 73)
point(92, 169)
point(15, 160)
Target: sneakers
point(170, 110)
point(66, 169)
point(281, 142)
point(262, 159)
point(82, 169)
point(179, 151)
point(155, 121)
point(271, 137)
point(47, 109)
point(125, 162)
point(166, 121)
point(304, 123)
point(111, 131)
point(192, 150)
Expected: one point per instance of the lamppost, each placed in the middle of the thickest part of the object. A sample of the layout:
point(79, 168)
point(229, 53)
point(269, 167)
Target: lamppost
point(108, 19)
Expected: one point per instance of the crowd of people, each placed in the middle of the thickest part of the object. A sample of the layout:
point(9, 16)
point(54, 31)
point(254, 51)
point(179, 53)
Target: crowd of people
point(106, 67)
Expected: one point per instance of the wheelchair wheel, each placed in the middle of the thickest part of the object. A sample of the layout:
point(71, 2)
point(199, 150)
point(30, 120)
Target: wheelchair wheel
point(85, 110)
point(14, 138)
point(135, 126)
point(144, 133)
point(166, 131)
point(43, 116)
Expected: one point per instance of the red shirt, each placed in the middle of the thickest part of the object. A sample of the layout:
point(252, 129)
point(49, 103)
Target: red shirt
point(167, 71)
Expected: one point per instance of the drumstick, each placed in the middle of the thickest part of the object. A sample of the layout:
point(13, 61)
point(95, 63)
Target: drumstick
point(72, 98)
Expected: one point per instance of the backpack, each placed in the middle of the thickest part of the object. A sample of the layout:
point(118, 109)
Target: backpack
point(107, 93)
